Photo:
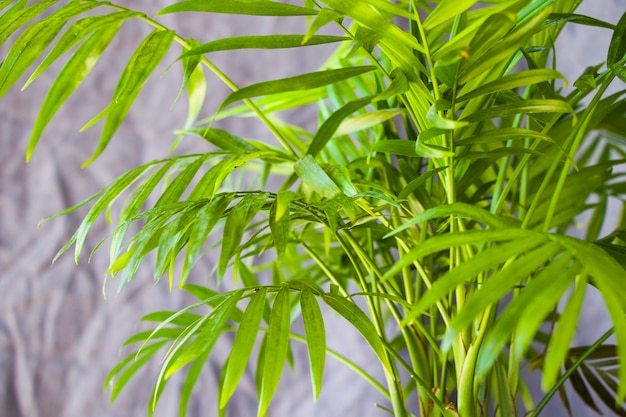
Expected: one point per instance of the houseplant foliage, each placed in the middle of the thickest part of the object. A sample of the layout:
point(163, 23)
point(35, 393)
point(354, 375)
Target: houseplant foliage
point(433, 207)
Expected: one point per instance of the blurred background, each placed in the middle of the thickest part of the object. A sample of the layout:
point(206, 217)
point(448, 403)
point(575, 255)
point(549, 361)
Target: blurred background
point(59, 336)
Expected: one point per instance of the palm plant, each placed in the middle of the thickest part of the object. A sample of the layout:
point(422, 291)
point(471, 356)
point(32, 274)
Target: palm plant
point(432, 207)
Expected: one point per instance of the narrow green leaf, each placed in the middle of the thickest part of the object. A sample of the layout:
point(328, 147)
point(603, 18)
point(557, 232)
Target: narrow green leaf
point(143, 62)
point(353, 314)
point(610, 279)
point(497, 287)
point(276, 348)
point(17, 16)
point(107, 196)
point(177, 187)
point(367, 121)
point(246, 7)
point(511, 81)
point(207, 217)
point(446, 241)
point(459, 210)
point(236, 223)
point(262, 42)
point(504, 135)
point(561, 338)
point(523, 107)
point(314, 176)
point(242, 346)
point(190, 381)
point(118, 377)
point(79, 30)
point(331, 124)
point(467, 272)
point(560, 18)
point(279, 226)
point(204, 342)
point(525, 314)
point(307, 81)
point(224, 140)
point(363, 13)
point(324, 17)
point(315, 339)
point(617, 47)
point(395, 147)
point(34, 40)
point(71, 76)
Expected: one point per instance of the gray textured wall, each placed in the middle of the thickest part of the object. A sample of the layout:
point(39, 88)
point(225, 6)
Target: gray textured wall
point(58, 336)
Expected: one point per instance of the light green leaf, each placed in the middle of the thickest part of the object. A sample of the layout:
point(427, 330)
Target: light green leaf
point(71, 76)
point(33, 42)
point(262, 42)
point(209, 334)
point(246, 7)
point(276, 348)
point(511, 81)
point(314, 176)
point(143, 62)
point(242, 346)
point(236, 223)
point(307, 81)
point(315, 339)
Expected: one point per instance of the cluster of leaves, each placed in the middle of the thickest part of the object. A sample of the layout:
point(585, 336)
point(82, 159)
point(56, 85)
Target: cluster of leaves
point(445, 176)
